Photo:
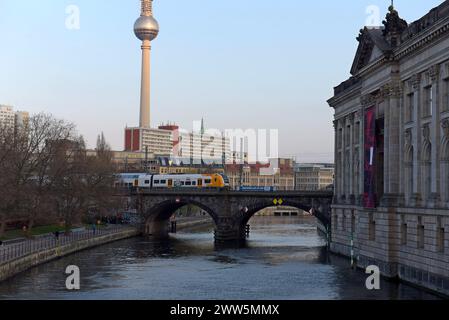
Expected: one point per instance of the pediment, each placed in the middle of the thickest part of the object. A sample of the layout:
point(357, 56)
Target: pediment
point(375, 54)
point(372, 45)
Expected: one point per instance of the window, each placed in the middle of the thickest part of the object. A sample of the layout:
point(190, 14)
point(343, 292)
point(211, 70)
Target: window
point(188, 183)
point(404, 231)
point(193, 183)
point(353, 222)
point(163, 181)
point(348, 136)
point(357, 133)
point(441, 239)
point(420, 233)
point(208, 181)
point(372, 227)
point(440, 236)
point(410, 107)
point(445, 105)
point(156, 181)
point(427, 108)
point(340, 137)
point(147, 181)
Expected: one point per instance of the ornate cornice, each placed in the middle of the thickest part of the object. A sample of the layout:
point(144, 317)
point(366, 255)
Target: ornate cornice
point(434, 72)
point(368, 100)
point(350, 119)
point(410, 48)
point(385, 91)
point(391, 89)
point(416, 81)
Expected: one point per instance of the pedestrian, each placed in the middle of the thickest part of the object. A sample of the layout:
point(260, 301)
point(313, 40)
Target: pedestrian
point(57, 235)
point(94, 227)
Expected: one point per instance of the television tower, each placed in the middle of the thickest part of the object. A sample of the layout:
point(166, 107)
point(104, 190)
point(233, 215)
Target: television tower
point(146, 29)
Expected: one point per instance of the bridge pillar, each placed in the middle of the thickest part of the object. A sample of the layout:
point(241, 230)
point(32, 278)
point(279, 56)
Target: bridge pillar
point(229, 236)
point(229, 230)
point(157, 228)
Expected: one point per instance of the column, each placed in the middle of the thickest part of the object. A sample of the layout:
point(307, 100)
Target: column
point(361, 155)
point(385, 93)
point(337, 162)
point(342, 159)
point(435, 132)
point(351, 154)
point(444, 170)
point(416, 133)
point(401, 148)
point(393, 140)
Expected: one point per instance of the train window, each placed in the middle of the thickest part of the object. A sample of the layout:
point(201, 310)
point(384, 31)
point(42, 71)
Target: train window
point(147, 181)
point(193, 183)
point(156, 182)
point(188, 183)
point(182, 183)
point(163, 181)
point(207, 181)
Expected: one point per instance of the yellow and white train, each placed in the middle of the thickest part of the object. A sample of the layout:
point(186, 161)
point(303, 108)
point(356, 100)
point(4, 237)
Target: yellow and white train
point(172, 181)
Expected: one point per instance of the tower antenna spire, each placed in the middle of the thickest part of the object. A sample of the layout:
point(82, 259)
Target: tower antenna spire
point(147, 8)
point(146, 29)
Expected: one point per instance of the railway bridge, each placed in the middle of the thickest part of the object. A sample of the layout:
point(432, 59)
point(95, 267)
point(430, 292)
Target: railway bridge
point(230, 210)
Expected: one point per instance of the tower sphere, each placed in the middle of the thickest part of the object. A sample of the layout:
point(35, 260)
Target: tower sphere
point(146, 28)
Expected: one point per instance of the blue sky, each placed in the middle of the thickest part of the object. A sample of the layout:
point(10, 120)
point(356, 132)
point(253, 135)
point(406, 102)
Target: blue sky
point(236, 63)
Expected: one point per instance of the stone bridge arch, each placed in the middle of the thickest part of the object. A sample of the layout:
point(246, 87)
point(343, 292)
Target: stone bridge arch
point(157, 213)
point(225, 208)
point(322, 213)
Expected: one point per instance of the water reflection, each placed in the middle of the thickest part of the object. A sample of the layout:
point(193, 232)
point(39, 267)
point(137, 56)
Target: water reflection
point(284, 259)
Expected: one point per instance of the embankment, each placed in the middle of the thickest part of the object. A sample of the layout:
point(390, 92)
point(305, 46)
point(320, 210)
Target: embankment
point(24, 263)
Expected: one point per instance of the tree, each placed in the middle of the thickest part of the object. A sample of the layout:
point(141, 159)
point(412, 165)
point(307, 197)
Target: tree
point(46, 174)
point(45, 135)
point(85, 183)
point(8, 183)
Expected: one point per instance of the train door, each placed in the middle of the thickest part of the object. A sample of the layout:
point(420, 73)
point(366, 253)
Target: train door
point(200, 183)
point(170, 183)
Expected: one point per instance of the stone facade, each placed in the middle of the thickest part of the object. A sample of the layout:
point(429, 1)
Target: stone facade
point(401, 71)
point(279, 174)
point(314, 177)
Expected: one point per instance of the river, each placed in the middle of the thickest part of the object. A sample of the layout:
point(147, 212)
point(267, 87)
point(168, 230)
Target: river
point(284, 259)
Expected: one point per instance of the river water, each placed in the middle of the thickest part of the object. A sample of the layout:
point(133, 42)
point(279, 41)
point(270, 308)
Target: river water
point(284, 259)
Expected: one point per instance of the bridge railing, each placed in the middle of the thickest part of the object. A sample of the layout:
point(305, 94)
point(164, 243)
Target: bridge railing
point(217, 191)
point(11, 252)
